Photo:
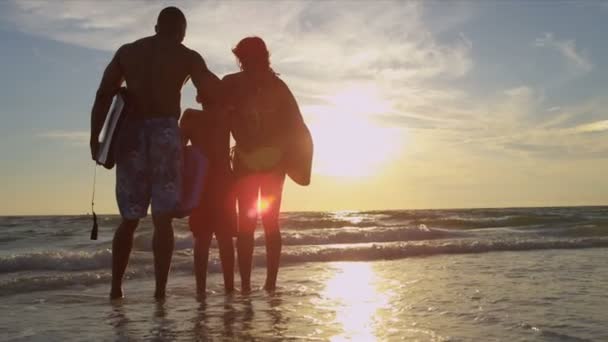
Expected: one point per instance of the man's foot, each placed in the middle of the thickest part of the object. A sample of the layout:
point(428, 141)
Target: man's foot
point(201, 296)
point(116, 294)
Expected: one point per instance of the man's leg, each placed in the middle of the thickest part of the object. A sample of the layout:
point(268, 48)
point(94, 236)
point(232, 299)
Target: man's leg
point(121, 249)
point(132, 197)
point(271, 192)
point(162, 246)
point(165, 165)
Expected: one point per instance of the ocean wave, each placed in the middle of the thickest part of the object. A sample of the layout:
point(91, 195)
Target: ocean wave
point(497, 217)
point(359, 235)
point(143, 241)
point(56, 281)
point(400, 250)
point(352, 235)
point(4, 239)
point(61, 227)
point(63, 261)
point(320, 223)
point(94, 268)
point(450, 219)
point(459, 222)
point(577, 231)
point(27, 284)
point(82, 261)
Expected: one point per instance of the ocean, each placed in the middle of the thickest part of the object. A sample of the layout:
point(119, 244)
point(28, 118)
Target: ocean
point(515, 274)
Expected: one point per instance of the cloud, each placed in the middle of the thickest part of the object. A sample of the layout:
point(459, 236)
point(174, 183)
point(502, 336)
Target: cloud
point(76, 137)
point(321, 48)
point(578, 114)
point(514, 123)
point(318, 46)
point(597, 126)
point(567, 48)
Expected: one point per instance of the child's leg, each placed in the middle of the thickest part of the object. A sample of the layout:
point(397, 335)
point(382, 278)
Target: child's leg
point(202, 243)
point(226, 247)
point(247, 196)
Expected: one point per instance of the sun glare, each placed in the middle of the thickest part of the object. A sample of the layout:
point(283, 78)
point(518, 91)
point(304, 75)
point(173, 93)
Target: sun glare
point(357, 300)
point(262, 205)
point(348, 142)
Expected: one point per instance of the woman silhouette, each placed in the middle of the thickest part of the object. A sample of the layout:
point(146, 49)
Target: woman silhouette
point(262, 112)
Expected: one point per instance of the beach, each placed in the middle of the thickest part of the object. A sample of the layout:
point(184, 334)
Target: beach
point(428, 275)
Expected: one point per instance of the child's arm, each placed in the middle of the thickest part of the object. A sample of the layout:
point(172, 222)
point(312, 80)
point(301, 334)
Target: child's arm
point(185, 125)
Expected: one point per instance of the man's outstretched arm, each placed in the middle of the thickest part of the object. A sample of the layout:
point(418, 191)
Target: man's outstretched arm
point(110, 85)
point(207, 83)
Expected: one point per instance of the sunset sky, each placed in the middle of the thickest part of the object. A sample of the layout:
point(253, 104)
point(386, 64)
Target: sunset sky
point(412, 105)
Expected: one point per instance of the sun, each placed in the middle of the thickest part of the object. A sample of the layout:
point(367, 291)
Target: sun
point(348, 141)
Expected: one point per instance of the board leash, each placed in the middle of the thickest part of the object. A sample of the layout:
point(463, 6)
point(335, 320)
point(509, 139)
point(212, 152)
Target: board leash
point(95, 228)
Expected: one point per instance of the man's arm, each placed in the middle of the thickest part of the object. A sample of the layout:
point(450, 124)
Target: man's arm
point(207, 83)
point(110, 84)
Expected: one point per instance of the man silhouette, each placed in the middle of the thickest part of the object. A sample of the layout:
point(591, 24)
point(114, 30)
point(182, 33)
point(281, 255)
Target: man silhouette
point(148, 157)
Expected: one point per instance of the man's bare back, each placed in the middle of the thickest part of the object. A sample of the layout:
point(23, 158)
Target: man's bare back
point(155, 70)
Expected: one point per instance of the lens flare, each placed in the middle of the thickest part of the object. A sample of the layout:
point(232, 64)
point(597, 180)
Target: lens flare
point(262, 205)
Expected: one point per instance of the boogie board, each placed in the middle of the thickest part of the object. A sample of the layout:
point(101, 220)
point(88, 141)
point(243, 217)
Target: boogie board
point(106, 153)
point(193, 180)
point(298, 159)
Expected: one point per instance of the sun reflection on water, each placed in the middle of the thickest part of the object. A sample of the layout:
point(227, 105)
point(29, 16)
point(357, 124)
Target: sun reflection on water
point(354, 291)
point(348, 215)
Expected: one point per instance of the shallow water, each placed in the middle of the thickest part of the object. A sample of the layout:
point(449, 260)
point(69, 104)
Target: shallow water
point(430, 275)
point(524, 296)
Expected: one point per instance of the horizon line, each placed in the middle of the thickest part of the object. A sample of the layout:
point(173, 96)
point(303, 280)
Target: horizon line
point(351, 210)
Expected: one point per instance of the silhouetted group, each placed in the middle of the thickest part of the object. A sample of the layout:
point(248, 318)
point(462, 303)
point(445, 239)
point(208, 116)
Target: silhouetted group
point(242, 183)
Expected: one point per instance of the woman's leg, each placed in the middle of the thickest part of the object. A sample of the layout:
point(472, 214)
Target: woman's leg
point(202, 243)
point(271, 190)
point(226, 247)
point(247, 195)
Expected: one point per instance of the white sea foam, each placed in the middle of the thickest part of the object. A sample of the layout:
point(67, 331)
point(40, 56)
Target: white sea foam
point(64, 256)
point(63, 261)
point(91, 268)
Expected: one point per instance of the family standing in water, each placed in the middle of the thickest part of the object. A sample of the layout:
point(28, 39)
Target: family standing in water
point(253, 105)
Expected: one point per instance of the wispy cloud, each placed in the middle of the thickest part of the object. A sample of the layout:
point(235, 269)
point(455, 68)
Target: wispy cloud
point(318, 46)
point(323, 47)
point(513, 123)
point(568, 49)
point(597, 126)
point(69, 136)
